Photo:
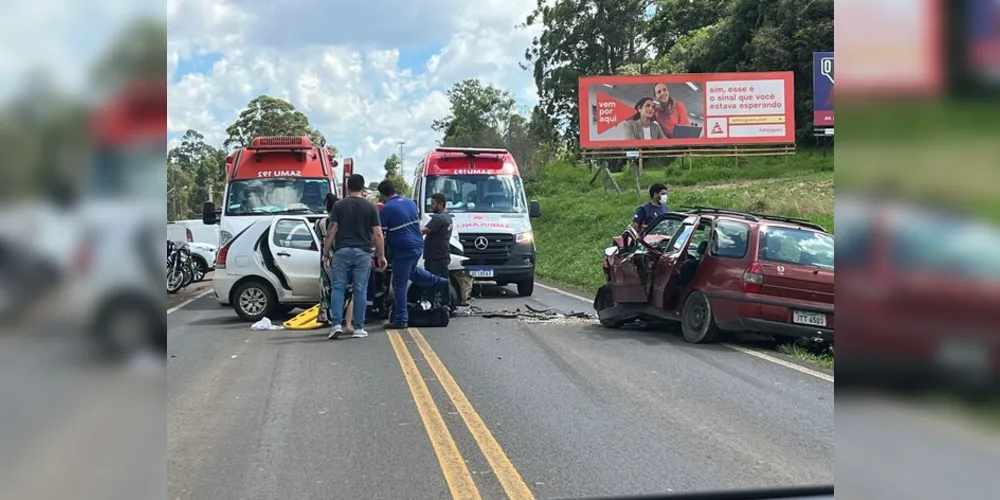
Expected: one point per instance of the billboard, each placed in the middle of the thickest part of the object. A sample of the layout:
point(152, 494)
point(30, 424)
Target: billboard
point(983, 47)
point(823, 89)
point(687, 110)
point(890, 48)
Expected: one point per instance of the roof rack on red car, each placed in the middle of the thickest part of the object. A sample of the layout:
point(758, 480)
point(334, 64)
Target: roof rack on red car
point(755, 217)
point(793, 220)
point(712, 210)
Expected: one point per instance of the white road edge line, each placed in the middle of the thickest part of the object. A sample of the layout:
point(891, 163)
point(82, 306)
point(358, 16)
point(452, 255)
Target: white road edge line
point(188, 301)
point(778, 361)
point(563, 292)
point(745, 350)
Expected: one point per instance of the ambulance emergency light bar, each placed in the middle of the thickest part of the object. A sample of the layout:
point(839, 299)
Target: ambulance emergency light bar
point(280, 143)
point(492, 153)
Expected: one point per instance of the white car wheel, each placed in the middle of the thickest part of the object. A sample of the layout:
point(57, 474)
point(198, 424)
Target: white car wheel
point(254, 300)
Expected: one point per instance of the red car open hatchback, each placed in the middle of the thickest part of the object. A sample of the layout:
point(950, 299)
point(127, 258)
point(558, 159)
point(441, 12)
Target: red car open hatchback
point(720, 271)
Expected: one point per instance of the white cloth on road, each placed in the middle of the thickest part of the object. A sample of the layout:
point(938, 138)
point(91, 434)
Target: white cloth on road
point(265, 324)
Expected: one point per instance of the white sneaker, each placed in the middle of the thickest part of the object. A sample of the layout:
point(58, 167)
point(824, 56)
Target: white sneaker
point(360, 334)
point(335, 332)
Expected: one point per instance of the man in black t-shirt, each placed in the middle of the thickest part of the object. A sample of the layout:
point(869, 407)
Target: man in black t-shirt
point(437, 239)
point(355, 228)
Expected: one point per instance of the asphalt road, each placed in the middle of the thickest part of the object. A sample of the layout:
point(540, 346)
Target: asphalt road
point(486, 408)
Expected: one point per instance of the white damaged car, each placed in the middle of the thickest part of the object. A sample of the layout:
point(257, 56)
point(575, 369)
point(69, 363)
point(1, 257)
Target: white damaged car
point(273, 266)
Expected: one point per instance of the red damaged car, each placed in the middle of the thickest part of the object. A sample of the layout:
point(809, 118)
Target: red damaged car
point(718, 271)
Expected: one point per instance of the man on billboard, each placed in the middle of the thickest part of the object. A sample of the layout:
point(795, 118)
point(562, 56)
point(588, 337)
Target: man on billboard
point(643, 125)
point(669, 111)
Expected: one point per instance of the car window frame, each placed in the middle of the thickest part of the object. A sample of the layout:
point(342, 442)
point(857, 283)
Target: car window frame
point(701, 221)
point(279, 243)
point(688, 221)
point(763, 230)
point(712, 250)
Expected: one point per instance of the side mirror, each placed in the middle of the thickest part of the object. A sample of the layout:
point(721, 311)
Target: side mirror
point(208, 213)
point(610, 251)
point(534, 209)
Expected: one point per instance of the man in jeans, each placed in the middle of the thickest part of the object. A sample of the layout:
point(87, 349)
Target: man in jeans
point(437, 241)
point(401, 220)
point(354, 227)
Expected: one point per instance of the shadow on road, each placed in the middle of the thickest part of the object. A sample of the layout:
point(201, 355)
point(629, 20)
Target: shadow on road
point(315, 336)
point(649, 334)
point(224, 321)
point(207, 303)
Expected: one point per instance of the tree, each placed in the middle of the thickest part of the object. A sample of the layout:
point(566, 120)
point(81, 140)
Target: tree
point(478, 117)
point(270, 116)
point(394, 172)
point(203, 167)
point(179, 182)
point(581, 38)
point(137, 53)
point(487, 116)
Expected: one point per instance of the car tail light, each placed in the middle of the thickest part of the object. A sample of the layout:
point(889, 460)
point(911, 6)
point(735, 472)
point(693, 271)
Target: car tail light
point(190, 237)
point(220, 258)
point(753, 278)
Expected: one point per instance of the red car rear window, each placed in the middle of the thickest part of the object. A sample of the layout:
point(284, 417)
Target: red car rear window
point(795, 246)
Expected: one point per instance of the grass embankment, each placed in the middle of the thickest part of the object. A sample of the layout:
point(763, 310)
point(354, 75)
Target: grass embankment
point(579, 220)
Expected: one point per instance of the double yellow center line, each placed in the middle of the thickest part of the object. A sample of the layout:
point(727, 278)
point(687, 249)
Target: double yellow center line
point(456, 473)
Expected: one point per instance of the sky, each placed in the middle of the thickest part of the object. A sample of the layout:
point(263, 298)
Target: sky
point(368, 74)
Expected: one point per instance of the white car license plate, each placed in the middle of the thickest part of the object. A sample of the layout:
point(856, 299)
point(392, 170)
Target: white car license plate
point(809, 318)
point(481, 273)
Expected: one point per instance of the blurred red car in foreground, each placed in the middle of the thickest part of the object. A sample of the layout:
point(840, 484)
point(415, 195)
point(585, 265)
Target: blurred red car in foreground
point(919, 295)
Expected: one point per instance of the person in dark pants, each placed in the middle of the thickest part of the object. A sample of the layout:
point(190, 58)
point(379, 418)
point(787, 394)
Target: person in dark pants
point(404, 244)
point(657, 206)
point(437, 239)
point(322, 228)
point(355, 230)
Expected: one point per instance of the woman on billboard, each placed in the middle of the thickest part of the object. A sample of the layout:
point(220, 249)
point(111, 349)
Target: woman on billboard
point(669, 112)
point(643, 125)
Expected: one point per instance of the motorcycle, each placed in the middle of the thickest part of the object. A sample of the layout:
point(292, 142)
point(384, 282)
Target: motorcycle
point(180, 272)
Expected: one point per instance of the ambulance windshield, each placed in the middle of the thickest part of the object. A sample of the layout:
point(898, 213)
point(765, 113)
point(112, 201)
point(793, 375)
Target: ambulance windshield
point(478, 193)
point(272, 196)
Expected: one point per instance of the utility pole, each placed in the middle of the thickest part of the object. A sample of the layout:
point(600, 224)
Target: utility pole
point(402, 173)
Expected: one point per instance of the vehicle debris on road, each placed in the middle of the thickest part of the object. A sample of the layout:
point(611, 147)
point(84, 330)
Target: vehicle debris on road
point(530, 315)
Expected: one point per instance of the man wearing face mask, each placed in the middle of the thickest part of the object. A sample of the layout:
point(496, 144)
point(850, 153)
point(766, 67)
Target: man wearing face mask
point(657, 205)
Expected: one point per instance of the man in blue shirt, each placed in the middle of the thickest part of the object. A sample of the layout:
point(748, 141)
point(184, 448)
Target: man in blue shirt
point(657, 206)
point(404, 244)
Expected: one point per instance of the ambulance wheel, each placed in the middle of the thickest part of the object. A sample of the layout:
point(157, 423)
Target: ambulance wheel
point(526, 288)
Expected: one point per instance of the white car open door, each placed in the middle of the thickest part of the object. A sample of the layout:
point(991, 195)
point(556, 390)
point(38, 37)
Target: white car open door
point(296, 251)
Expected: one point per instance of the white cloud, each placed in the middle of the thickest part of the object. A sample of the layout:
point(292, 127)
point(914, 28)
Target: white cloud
point(61, 40)
point(339, 62)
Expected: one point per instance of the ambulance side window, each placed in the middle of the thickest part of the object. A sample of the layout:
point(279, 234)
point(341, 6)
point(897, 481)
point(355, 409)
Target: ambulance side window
point(417, 178)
